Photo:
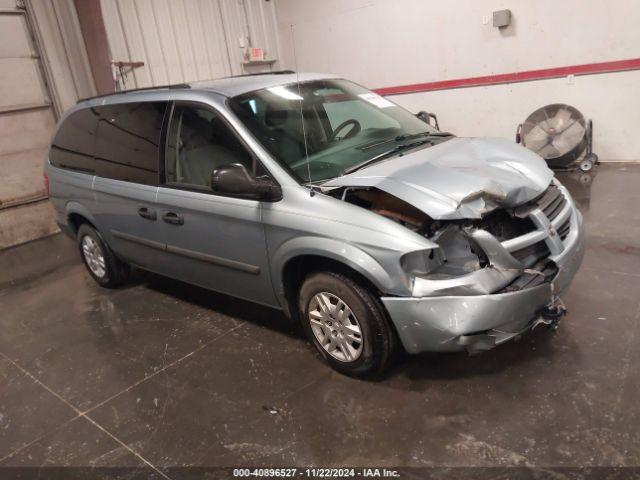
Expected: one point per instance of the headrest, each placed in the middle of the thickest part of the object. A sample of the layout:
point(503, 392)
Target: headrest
point(275, 118)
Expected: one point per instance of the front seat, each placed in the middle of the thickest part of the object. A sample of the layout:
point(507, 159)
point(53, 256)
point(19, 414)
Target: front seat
point(282, 140)
point(202, 153)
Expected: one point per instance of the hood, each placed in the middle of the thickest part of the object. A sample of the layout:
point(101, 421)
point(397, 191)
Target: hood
point(459, 178)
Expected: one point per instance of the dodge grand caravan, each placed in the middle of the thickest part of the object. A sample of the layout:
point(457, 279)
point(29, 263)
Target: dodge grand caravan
point(311, 194)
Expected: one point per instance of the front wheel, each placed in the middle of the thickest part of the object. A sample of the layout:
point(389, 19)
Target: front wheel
point(346, 324)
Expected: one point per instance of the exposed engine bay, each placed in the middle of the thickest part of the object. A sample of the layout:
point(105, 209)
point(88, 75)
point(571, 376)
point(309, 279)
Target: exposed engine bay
point(493, 240)
point(470, 246)
point(388, 206)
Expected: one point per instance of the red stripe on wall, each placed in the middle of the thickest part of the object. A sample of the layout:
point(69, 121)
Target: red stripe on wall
point(526, 76)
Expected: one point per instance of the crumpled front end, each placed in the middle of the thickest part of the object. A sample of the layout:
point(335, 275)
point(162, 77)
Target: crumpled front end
point(495, 278)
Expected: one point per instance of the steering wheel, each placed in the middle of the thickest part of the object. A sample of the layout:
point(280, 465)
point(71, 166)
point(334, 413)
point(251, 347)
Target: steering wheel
point(355, 129)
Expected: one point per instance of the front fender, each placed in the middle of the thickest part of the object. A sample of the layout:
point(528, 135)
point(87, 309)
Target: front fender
point(337, 250)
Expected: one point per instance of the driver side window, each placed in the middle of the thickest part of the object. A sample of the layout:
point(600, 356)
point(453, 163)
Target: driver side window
point(198, 142)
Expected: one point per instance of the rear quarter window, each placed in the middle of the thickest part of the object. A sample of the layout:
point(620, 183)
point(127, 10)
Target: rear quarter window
point(72, 147)
point(128, 141)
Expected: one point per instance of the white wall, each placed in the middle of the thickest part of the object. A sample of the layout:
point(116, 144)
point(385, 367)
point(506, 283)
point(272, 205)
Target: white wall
point(382, 43)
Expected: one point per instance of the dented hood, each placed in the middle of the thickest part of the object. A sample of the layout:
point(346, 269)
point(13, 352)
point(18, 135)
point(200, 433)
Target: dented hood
point(459, 178)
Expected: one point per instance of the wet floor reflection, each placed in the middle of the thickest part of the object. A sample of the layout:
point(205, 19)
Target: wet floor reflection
point(579, 185)
point(258, 394)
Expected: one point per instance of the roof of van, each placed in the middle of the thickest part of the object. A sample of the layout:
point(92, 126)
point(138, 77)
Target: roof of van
point(228, 86)
point(232, 86)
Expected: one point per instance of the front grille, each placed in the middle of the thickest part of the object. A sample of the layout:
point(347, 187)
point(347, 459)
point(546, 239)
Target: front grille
point(563, 231)
point(511, 224)
point(532, 254)
point(551, 202)
point(504, 226)
point(532, 279)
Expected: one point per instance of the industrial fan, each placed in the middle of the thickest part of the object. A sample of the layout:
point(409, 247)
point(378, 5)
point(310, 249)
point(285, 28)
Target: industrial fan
point(560, 134)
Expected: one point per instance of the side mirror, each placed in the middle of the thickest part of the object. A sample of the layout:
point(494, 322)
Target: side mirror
point(426, 118)
point(234, 180)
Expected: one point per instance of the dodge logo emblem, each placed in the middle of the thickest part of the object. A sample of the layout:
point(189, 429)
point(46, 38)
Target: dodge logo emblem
point(552, 231)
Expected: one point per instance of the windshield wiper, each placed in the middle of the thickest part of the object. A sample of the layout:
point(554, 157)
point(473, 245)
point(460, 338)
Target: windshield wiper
point(402, 138)
point(383, 155)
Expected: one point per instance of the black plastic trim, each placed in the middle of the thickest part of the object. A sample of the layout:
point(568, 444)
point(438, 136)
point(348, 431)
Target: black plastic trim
point(203, 257)
point(135, 239)
point(223, 262)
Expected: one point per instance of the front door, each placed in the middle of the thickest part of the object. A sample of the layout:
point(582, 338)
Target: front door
point(216, 241)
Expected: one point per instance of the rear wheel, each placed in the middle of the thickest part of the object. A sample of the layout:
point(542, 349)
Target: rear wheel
point(346, 324)
point(102, 264)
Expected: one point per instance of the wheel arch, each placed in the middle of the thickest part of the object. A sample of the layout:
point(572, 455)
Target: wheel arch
point(295, 261)
point(77, 214)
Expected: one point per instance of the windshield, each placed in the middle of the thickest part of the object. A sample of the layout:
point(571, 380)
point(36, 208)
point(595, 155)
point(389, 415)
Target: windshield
point(344, 125)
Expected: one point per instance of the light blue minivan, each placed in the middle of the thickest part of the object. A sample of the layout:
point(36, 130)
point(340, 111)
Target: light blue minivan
point(314, 195)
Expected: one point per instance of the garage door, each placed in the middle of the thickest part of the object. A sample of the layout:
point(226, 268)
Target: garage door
point(26, 123)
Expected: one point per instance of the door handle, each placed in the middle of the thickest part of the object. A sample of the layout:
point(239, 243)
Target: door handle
point(173, 218)
point(147, 213)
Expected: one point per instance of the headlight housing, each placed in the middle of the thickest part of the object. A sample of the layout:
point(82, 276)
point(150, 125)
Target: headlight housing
point(457, 266)
point(421, 262)
point(456, 255)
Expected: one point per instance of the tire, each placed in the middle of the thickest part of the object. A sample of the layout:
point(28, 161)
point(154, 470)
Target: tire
point(366, 358)
point(111, 272)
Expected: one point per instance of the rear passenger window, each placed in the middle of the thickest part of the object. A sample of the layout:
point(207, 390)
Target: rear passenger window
point(198, 142)
point(127, 142)
point(72, 146)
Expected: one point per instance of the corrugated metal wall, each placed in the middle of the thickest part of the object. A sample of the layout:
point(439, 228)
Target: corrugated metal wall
point(65, 58)
point(187, 40)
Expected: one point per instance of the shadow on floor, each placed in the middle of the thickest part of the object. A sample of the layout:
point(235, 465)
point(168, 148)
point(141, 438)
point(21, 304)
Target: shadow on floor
point(537, 344)
point(220, 303)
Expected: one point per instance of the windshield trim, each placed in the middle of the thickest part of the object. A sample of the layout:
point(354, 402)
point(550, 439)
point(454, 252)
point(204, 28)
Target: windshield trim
point(398, 149)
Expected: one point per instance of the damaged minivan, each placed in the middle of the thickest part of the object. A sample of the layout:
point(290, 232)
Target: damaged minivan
point(316, 196)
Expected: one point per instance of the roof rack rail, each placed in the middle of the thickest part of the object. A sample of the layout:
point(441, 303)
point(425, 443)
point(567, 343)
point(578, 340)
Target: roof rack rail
point(142, 89)
point(275, 72)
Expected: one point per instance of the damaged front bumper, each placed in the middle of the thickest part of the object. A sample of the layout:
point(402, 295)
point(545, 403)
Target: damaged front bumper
point(480, 322)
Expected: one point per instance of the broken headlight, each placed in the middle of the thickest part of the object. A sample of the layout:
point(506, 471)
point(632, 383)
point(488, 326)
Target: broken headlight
point(460, 253)
point(457, 266)
point(457, 254)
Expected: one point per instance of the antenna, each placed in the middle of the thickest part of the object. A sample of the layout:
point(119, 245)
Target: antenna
point(304, 133)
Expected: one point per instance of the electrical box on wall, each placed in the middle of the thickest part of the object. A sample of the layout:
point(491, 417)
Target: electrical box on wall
point(502, 18)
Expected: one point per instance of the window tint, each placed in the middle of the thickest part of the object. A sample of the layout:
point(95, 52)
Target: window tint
point(72, 146)
point(199, 142)
point(128, 139)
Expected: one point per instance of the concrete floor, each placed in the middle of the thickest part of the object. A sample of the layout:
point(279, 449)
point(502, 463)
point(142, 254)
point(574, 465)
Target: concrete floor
point(163, 374)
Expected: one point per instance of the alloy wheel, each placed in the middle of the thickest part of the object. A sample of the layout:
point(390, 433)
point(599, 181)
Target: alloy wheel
point(335, 326)
point(93, 256)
